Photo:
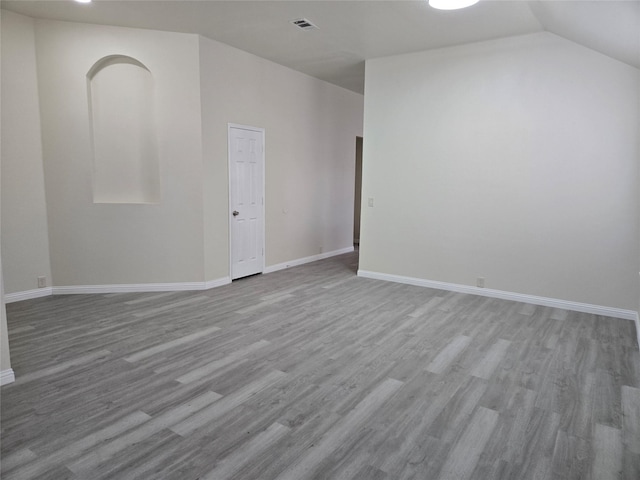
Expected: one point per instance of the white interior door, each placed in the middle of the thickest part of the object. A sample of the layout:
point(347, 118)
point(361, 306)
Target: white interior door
point(246, 192)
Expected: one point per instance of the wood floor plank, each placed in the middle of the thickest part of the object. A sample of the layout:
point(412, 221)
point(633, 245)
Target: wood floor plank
point(148, 298)
point(571, 457)
point(171, 306)
point(229, 359)
point(631, 418)
point(256, 446)
point(266, 302)
point(448, 354)
point(463, 458)
point(607, 453)
point(607, 405)
point(533, 458)
point(107, 450)
point(61, 367)
point(136, 357)
point(368, 472)
point(458, 410)
point(62, 456)
point(493, 358)
point(228, 403)
point(306, 464)
point(17, 459)
point(516, 406)
point(631, 465)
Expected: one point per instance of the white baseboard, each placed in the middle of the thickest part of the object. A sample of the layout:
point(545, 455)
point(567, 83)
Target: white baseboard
point(219, 282)
point(302, 261)
point(27, 295)
point(7, 376)
point(124, 288)
point(158, 287)
point(516, 297)
point(116, 288)
point(140, 287)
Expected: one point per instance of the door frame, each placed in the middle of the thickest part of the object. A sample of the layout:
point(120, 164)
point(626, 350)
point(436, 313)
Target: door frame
point(261, 130)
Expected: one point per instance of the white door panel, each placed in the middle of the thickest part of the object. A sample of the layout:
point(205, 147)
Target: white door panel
point(246, 168)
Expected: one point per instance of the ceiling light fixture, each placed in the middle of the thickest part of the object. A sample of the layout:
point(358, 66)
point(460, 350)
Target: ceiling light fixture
point(451, 4)
point(83, 1)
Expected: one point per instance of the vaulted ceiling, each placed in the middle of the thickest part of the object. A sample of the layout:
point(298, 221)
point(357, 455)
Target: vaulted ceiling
point(350, 32)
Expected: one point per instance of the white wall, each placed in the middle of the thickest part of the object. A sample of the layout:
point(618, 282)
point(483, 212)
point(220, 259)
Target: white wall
point(200, 86)
point(515, 160)
point(24, 237)
point(6, 374)
point(96, 244)
point(311, 128)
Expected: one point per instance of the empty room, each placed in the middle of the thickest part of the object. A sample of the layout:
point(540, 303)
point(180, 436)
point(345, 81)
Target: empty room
point(320, 239)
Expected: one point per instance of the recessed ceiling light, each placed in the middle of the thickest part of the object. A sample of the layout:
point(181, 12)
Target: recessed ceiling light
point(451, 4)
point(83, 1)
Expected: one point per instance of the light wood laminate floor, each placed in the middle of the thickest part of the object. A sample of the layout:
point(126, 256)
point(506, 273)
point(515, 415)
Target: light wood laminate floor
point(314, 373)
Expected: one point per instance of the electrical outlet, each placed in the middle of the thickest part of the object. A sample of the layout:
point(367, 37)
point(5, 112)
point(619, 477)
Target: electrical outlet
point(42, 282)
point(480, 282)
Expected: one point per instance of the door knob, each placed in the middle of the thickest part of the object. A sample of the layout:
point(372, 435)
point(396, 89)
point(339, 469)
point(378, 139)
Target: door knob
point(236, 213)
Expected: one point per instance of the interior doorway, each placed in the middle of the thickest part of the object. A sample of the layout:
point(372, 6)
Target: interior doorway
point(358, 194)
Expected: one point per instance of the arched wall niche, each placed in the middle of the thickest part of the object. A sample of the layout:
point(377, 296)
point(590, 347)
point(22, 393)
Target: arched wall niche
point(126, 167)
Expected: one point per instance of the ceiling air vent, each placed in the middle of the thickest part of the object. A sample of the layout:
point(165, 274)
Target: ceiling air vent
point(303, 24)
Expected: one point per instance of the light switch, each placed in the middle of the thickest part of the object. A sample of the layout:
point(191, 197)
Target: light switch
point(371, 201)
